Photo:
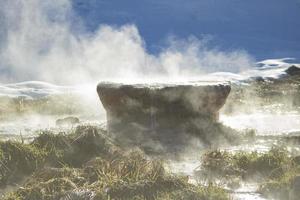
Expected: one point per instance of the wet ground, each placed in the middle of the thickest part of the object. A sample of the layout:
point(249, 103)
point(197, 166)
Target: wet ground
point(267, 126)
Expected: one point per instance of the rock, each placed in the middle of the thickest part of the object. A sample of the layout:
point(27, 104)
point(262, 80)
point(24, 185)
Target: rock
point(68, 121)
point(144, 108)
point(293, 70)
point(296, 159)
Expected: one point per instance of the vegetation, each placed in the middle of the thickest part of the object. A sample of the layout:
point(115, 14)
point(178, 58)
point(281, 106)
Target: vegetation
point(247, 165)
point(17, 160)
point(276, 169)
point(270, 95)
point(86, 164)
point(285, 186)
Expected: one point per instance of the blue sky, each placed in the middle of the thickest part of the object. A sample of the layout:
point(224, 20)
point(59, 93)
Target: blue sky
point(264, 28)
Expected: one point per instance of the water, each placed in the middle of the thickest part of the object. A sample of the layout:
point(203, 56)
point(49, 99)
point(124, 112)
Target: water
point(26, 126)
point(264, 123)
point(247, 191)
point(187, 167)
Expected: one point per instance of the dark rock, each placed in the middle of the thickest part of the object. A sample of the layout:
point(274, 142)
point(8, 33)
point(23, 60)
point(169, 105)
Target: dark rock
point(296, 159)
point(293, 70)
point(68, 121)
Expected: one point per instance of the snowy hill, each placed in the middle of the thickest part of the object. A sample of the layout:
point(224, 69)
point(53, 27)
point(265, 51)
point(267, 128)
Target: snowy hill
point(275, 69)
point(32, 89)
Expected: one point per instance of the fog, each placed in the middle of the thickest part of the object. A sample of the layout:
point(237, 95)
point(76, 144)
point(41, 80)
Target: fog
point(44, 40)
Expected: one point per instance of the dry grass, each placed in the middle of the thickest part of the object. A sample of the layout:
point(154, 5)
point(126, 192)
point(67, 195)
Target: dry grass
point(275, 170)
point(85, 164)
point(247, 164)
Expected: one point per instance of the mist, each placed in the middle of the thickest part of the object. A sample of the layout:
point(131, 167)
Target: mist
point(45, 40)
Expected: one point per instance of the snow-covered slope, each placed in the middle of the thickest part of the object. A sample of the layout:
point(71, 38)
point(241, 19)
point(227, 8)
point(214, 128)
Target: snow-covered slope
point(271, 68)
point(32, 89)
point(264, 70)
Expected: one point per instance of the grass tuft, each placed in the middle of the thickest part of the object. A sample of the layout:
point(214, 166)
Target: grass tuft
point(85, 164)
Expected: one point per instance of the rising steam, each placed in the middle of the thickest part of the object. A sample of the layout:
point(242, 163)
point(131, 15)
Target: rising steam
point(39, 41)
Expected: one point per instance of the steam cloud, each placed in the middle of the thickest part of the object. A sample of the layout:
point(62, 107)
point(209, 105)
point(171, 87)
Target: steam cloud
point(38, 41)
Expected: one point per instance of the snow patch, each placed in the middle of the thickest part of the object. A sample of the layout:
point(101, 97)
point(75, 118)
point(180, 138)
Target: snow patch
point(32, 89)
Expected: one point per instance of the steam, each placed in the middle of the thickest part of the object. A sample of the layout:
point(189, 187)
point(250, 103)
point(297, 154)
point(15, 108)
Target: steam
point(39, 41)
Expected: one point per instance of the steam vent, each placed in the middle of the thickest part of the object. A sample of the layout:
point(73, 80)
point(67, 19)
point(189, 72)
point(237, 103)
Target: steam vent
point(161, 107)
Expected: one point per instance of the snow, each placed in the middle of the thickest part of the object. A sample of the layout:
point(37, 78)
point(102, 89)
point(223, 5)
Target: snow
point(269, 63)
point(271, 68)
point(32, 89)
point(266, 69)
